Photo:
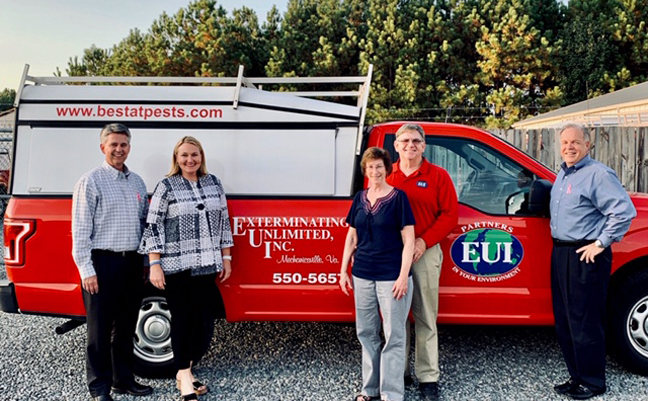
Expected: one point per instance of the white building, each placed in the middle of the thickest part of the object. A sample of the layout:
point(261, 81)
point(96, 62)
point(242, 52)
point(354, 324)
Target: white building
point(626, 107)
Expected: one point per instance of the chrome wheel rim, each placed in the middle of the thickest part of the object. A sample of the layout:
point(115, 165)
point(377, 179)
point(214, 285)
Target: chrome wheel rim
point(152, 339)
point(637, 326)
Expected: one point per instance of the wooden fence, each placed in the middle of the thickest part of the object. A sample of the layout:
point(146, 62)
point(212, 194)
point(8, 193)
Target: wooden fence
point(624, 149)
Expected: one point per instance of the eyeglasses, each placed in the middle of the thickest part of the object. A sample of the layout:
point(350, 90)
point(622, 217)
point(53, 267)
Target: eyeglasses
point(413, 141)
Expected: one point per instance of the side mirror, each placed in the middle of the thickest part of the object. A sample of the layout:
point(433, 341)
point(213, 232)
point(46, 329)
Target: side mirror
point(539, 197)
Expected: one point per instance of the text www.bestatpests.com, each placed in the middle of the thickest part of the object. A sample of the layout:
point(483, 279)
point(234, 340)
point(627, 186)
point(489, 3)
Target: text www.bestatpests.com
point(142, 112)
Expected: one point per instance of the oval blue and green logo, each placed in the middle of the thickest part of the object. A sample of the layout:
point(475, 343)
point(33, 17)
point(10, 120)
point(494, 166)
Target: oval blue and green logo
point(486, 252)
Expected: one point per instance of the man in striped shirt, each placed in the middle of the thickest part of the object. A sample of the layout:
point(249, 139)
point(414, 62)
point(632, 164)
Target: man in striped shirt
point(109, 207)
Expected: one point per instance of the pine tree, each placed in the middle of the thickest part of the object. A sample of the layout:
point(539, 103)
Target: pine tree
point(129, 57)
point(461, 95)
point(517, 64)
point(387, 22)
point(630, 33)
point(589, 53)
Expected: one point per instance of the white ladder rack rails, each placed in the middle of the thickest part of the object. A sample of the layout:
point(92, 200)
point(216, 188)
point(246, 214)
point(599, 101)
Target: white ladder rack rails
point(265, 136)
point(240, 81)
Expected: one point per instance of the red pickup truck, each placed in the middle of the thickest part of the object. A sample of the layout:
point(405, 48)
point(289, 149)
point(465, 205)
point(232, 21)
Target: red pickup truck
point(289, 165)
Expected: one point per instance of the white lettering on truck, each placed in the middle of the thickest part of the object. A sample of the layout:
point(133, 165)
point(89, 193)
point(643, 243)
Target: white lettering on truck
point(276, 234)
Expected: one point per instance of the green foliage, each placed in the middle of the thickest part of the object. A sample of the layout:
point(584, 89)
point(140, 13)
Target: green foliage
point(382, 45)
point(462, 96)
point(7, 97)
point(631, 34)
point(317, 38)
point(589, 51)
point(423, 53)
point(193, 42)
point(606, 47)
point(485, 62)
point(516, 65)
point(199, 40)
point(128, 57)
point(93, 63)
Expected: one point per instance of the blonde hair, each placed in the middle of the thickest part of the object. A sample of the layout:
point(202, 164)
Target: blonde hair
point(175, 168)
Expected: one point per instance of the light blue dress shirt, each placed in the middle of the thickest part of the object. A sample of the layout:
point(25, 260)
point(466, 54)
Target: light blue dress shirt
point(109, 209)
point(588, 203)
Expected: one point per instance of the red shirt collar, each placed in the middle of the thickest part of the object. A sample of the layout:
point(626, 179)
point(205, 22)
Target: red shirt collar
point(424, 168)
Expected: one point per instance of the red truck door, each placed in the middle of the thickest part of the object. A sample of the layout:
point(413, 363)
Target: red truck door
point(496, 261)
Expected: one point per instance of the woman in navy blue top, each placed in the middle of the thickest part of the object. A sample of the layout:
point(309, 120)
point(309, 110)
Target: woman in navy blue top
point(381, 241)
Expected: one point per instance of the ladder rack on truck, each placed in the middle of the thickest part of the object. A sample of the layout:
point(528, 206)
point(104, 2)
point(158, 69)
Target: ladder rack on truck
point(259, 142)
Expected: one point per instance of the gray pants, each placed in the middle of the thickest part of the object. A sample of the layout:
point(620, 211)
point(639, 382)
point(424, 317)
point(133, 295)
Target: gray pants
point(382, 370)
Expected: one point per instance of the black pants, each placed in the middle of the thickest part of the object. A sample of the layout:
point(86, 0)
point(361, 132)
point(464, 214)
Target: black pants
point(579, 292)
point(111, 318)
point(191, 303)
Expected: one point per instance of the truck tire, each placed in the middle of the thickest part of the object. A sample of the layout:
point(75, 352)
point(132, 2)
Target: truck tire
point(152, 339)
point(628, 323)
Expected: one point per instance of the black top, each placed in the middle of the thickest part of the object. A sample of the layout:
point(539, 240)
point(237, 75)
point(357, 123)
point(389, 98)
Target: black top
point(380, 245)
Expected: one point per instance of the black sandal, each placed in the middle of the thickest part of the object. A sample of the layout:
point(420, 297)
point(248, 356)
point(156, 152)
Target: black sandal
point(200, 388)
point(362, 397)
point(188, 397)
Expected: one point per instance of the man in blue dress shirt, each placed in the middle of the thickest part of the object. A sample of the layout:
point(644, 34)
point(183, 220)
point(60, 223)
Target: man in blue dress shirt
point(109, 207)
point(590, 210)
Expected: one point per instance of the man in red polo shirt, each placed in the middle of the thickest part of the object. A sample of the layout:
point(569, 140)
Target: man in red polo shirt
point(433, 199)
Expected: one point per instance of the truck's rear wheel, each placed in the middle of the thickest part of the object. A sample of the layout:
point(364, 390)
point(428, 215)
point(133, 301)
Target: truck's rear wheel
point(628, 317)
point(152, 340)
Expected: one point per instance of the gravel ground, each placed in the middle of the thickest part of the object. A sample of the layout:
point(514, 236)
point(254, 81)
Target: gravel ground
point(303, 361)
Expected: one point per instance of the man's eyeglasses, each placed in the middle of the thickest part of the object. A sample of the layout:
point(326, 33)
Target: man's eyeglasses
point(413, 141)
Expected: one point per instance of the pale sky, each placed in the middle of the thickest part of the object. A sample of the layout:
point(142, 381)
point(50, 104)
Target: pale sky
point(46, 33)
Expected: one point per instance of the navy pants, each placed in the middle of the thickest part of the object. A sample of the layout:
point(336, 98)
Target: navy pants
point(111, 317)
point(579, 292)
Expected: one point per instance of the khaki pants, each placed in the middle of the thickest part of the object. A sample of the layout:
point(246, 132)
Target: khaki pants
point(425, 307)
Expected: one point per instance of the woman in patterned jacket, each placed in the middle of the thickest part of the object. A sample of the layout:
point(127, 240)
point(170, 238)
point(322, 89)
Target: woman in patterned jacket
point(188, 239)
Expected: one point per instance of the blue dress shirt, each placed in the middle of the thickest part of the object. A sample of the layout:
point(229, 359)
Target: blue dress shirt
point(588, 203)
point(109, 209)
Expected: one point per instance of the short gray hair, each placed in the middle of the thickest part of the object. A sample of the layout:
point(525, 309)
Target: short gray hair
point(114, 128)
point(576, 126)
point(411, 127)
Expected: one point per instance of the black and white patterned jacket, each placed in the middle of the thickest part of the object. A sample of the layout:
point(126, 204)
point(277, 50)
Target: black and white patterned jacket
point(188, 225)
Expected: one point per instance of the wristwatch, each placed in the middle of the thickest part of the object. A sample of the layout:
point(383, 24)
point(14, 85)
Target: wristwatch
point(599, 243)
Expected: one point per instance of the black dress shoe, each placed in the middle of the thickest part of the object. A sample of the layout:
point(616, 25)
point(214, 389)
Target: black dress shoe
point(133, 388)
point(408, 380)
point(429, 391)
point(103, 397)
point(565, 387)
point(581, 392)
